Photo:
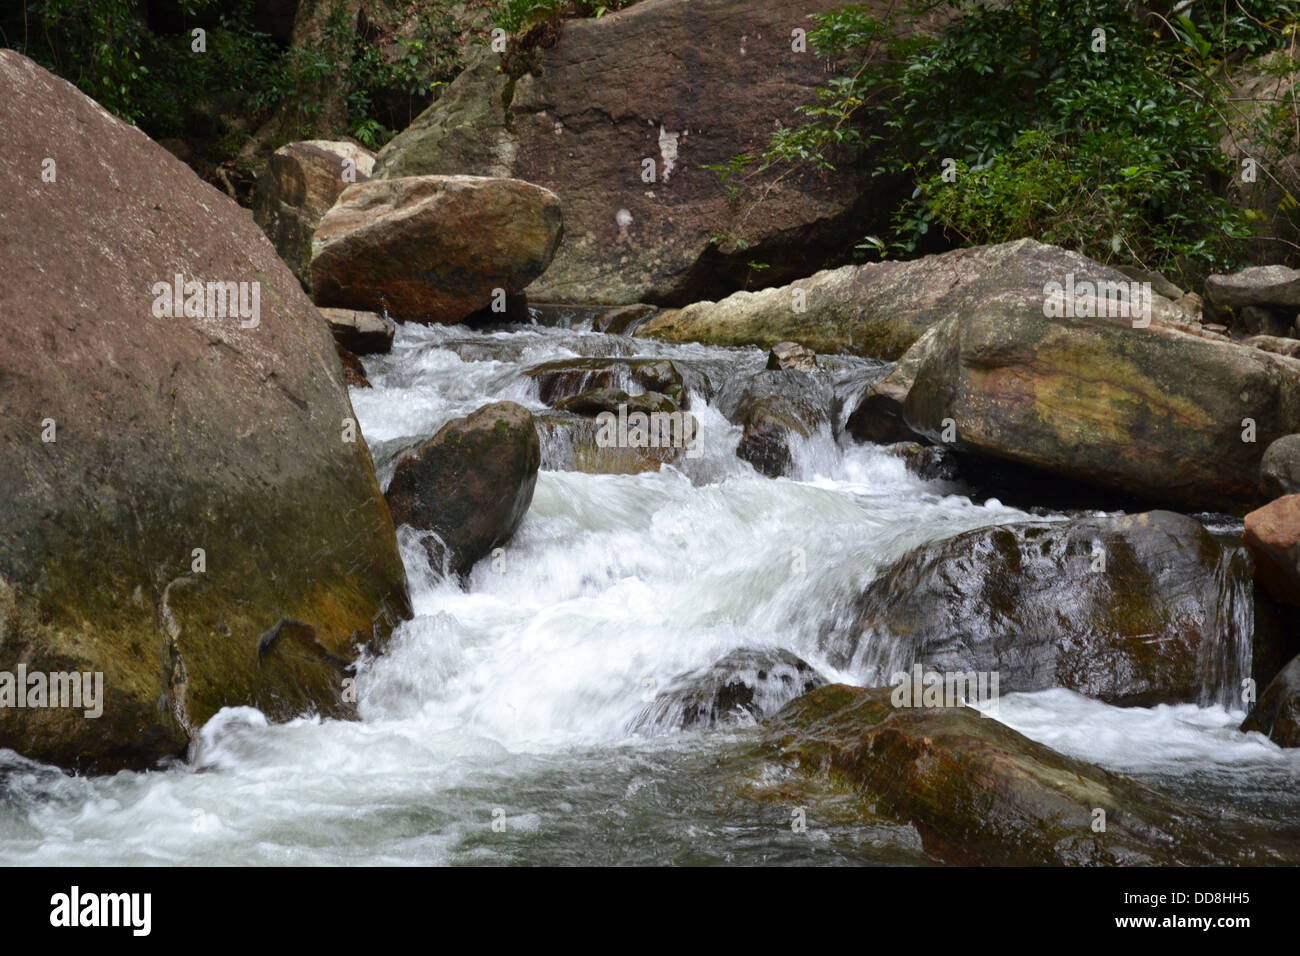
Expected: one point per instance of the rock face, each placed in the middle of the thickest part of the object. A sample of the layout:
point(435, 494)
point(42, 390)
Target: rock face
point(1277, 714)
point(776, 409)
point(433, 248)
point(1162, 613)
point(299, 185)
point(132, 438)
point(879, 310)
point(662, 88)
point(1152, 412)
point(1279, 470)
point(1261, 300)
point(978, 792)
point(1272, 534)
point(471, 483)
point(361, 333)
point(744, 687)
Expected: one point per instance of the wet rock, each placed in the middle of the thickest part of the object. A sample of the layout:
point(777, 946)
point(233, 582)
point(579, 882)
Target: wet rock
point(879, 310)
point(742, 688)
point(299, 185)
point(979, 793)
point(1277, 714)
point(623, 319)
point(354, 373)
point(792, 355)
point(1131, 610)
point(192, 482)
point(1279, 469)
point(775, 409)
point(599, 400)
point(433, 248)
point(1096, 400)
point(1272, 533)
point(930, 462)
point(878, 415)
point(568, 378)
point(471, 483)
point(1257, 300)
point(361, 333)
point(569, 443)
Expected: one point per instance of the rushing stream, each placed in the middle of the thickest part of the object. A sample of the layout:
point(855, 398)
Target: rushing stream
point(514, 697)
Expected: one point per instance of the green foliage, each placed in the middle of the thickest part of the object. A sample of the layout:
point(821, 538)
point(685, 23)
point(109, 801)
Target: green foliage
point(1109, 151)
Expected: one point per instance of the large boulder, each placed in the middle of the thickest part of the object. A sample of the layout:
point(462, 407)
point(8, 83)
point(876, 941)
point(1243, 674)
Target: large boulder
point(1277, 714)
point(179, 481)
point(471, 483)
point(300, 183)
point(1153, 412)
point(588, 107)
point(433, 248)
point(1272, 533)
point(1134, 610)
point(978, 792)
point(879, 310)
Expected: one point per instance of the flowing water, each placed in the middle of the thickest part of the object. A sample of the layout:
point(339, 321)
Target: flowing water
point(496, 727)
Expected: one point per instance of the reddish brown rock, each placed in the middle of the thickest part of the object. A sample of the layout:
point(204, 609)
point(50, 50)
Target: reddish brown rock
point(433, 248)
point(1273, 536)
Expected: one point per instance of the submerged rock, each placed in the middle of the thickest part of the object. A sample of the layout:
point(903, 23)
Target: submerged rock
point(775, 409)
point(600, 400)
point(1277, 714)
point(471, 483)
point(174, 484)
point(299, 185)
point(1131, 610)
point(433, 248)
point(569, 443)
point(930, 462)
point(979, 793)
point(744, 687)
point(568, 378)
